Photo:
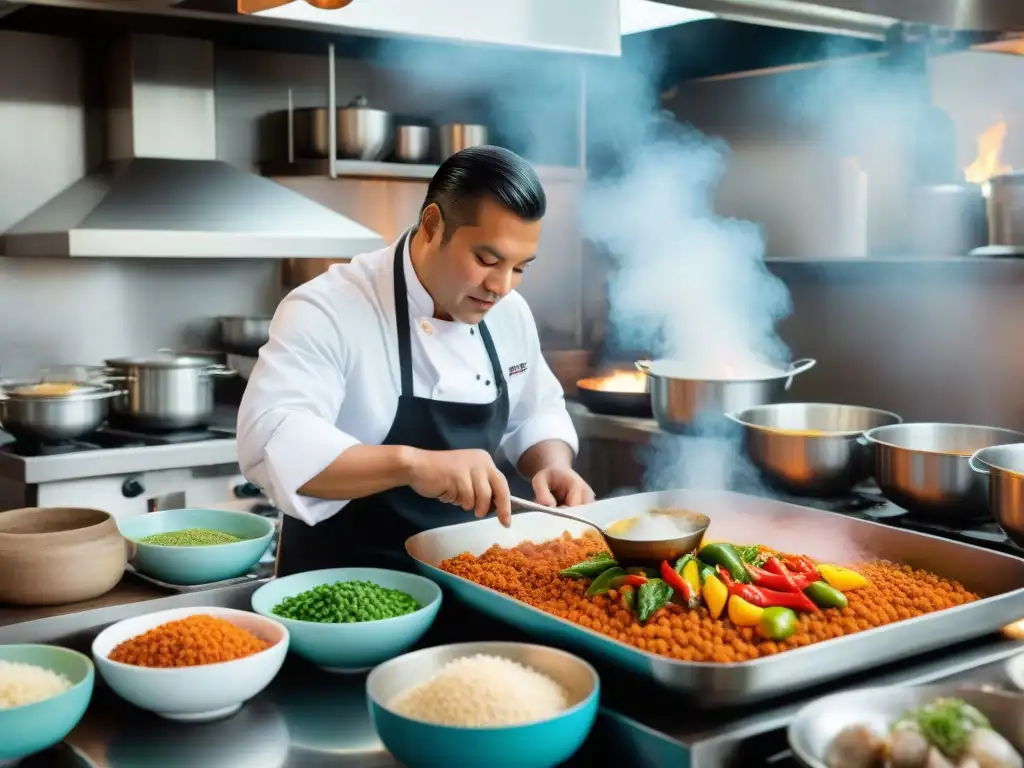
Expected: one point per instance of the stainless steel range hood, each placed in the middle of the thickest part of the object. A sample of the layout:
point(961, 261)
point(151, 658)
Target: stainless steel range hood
point(867, 18)
point(163, 193)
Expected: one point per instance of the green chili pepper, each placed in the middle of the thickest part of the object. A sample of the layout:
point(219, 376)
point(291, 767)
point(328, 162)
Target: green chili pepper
point(777, 623)
point(825, 595)
point(591, 568)
point(652, 596)
point(725, 555)
point(603, 582)
point(681, 563)
point(705, 571)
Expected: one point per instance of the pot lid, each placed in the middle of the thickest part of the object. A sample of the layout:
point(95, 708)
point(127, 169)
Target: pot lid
point(51, 390)
point(163, 359)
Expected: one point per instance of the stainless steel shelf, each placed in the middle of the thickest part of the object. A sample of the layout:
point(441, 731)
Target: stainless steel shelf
point(363, 169)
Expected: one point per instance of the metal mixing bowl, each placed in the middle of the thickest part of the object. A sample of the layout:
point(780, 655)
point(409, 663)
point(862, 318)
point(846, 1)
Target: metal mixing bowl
point(1003, 468)
point(811, 449)
point(925, 468)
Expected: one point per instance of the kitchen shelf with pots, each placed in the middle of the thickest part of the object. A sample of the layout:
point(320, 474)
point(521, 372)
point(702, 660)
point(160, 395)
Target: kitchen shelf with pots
point(392, 171)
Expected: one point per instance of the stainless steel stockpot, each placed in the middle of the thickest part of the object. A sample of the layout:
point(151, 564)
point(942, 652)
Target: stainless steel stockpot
point(165, 391)
point(679, 400)
point(54, 418)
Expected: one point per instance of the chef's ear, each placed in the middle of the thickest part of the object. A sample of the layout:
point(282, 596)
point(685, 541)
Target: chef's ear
point(432, 223)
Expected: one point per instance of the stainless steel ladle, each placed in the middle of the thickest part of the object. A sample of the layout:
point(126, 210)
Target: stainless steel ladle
point(629, 550)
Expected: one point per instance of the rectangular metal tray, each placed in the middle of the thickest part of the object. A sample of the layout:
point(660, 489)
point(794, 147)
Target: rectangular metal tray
point(258, 571)
point(747, 519)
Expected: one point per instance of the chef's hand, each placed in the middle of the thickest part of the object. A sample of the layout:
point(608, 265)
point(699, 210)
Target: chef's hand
point(561, 486)
point(468, 479)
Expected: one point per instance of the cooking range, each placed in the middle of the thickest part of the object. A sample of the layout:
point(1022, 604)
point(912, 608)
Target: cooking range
point(867, 503)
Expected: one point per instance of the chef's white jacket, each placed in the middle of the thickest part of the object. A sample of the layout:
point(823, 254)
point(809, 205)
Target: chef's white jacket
point(328, 378)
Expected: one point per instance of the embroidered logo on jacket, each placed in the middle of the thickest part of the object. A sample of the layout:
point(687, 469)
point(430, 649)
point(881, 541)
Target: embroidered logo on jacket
point(515, 370)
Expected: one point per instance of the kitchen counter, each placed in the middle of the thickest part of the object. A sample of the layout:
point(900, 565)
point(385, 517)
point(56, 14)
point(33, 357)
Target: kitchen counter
point(311, 718)
point(598, 426)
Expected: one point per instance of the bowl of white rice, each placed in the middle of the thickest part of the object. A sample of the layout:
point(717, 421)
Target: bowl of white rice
point(44, 692)
point(506, 704)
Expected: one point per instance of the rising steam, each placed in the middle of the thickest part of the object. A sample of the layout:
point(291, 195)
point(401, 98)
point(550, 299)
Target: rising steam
point(686, 284)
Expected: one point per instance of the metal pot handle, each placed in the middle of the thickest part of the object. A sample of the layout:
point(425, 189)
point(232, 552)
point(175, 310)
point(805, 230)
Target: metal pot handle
point(799, 366)
point(644, 366)
point(218, 371)
point(976, 464)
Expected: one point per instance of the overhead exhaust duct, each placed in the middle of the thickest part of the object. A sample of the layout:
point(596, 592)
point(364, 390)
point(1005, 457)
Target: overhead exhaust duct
point(163, 193)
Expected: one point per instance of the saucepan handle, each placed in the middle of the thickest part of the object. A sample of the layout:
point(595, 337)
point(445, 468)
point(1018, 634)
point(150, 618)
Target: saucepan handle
point(218, 371)
point(977, 465)
point(799, 366)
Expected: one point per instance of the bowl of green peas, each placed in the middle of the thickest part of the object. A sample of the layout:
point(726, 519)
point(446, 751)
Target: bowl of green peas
point(350, 619)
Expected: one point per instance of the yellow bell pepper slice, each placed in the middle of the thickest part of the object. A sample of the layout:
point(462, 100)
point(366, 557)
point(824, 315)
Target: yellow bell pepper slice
point(704, 542)
point(715, 595)
point(842, 579)
point(691, 575)
point(744, 614)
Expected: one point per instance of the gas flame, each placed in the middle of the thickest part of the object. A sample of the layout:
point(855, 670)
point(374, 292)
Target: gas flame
point(990, 149)
point(619, 381)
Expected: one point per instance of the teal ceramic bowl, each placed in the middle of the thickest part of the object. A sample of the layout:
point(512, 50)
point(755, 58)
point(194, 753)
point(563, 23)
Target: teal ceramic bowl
point(200, 564)
point(34, 727)
point(359, 646)
point(540, 744)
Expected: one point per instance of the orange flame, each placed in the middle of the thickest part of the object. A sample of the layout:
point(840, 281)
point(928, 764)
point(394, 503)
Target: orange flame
point(989, 160)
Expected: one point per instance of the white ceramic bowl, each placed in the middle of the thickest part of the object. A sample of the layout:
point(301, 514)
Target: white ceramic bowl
point(195, 694)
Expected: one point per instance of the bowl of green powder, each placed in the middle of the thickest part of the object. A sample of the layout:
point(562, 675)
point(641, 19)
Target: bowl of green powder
point(350, 619)
point(196, 546)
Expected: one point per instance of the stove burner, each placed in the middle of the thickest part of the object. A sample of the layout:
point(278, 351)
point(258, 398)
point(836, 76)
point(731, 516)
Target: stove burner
point(110, 437)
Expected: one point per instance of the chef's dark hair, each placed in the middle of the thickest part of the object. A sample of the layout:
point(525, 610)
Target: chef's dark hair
point(469, 176)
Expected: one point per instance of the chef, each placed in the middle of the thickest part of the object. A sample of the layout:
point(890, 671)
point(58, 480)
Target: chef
point(390, 383)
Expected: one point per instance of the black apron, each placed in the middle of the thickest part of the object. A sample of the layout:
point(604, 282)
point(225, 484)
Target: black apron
point(371, 532)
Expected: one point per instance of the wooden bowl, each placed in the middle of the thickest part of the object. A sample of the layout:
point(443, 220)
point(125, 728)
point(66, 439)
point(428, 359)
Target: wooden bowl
point(57, 555)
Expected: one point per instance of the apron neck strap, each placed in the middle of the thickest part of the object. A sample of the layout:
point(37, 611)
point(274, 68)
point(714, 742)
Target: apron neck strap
point(405, 338)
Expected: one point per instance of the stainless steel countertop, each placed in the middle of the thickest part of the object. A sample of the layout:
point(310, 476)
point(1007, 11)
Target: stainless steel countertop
point(598, 426)
point(310, 718)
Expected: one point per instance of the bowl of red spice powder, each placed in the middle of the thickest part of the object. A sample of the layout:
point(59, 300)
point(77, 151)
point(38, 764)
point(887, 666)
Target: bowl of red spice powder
point(191, 664)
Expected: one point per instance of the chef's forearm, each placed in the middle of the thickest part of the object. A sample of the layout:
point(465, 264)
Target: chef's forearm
point(546, 453)
point(363, 470)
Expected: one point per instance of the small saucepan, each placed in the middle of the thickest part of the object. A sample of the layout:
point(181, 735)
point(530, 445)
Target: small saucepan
point(620, 393)
point(244, 335)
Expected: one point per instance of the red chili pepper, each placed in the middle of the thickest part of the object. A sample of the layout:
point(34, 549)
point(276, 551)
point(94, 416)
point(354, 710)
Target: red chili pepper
point(629, 580)
point(770, 598)
point(774, 566)
point(801, 564)
point(791, 582)
point(674, 580)
point(728, 580)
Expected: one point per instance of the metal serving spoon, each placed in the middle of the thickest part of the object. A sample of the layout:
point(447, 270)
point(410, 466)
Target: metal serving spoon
point(692, 526)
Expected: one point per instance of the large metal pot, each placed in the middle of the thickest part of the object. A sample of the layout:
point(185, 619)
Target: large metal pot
point(362, 133)
point(244, 335)
point(456, 137)
point(811, 449)
point(946, 219)
point(925, 468)
point(678, 400)
point(54, 418)
point(412, 143)
point(165, 391)
point(1006, 211)
point(1003, 466)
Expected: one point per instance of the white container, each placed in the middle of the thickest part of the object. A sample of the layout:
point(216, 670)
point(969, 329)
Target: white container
point(193, 694)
